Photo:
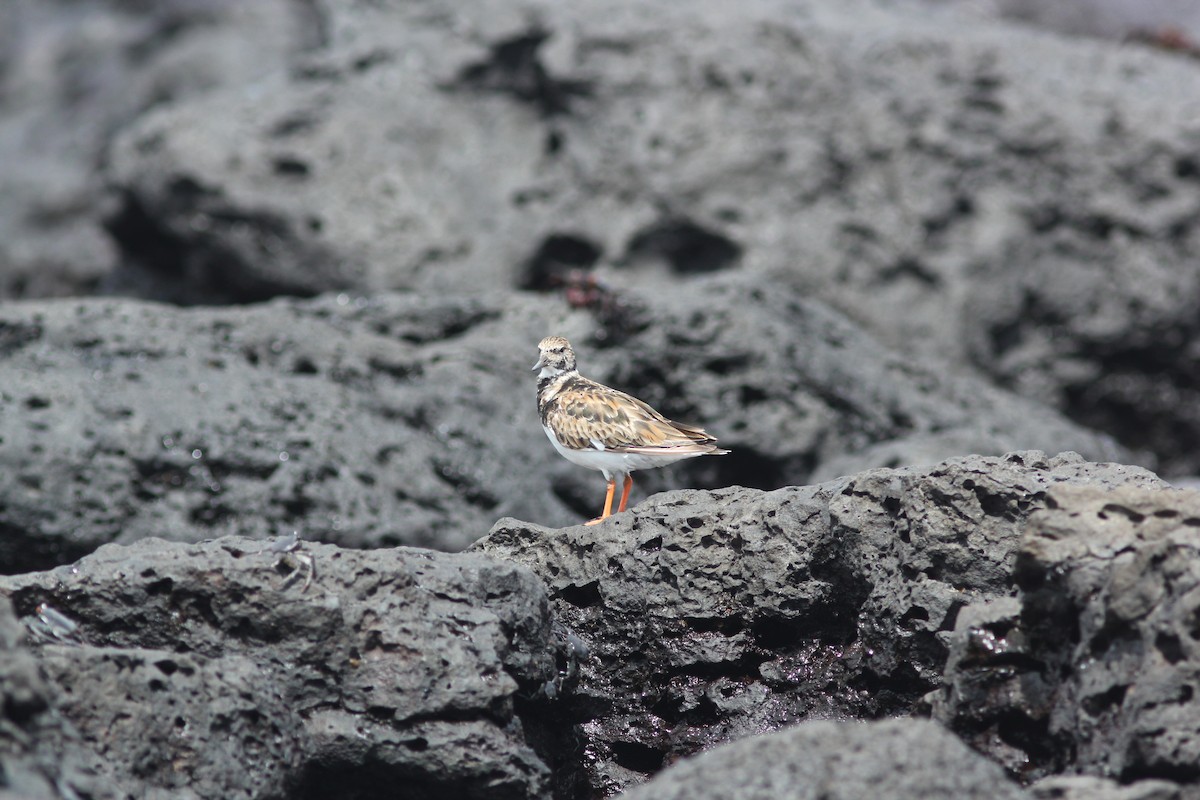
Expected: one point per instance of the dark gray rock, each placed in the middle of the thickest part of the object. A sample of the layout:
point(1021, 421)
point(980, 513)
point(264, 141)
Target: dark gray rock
point(892, 760)
point(1093, 668)
point(933, 175)
point(174, 724)
point(405, 420)
point(354, 423)
point(24, 702)
point(1121, 20)
point(792, 389)
point(215, 670)
point(73, 75)
point(1088, 787)
point(84, 721)
point(716, 615)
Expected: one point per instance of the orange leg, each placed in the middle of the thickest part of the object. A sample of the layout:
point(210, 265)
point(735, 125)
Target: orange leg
point(625, 494)
point(612, 487)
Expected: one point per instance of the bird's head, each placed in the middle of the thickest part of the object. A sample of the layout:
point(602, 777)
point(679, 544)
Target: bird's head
point(555, 357)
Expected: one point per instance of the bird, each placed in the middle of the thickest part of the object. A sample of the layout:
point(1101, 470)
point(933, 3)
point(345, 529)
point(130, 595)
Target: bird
point(601, 428)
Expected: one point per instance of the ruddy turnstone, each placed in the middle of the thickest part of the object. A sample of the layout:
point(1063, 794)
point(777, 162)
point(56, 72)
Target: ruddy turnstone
point(600, 428)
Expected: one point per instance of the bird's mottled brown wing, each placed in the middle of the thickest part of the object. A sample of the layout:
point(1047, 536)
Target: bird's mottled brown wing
point(586, 412)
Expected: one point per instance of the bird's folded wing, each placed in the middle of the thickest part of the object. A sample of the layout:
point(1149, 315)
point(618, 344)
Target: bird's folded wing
point(588, 415)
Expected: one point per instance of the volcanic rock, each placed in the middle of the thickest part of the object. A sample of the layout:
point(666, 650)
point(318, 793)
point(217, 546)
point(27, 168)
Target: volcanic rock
point(711, 616)
point(1092, 668)
point(926, 172)
point(236, 669)
point(892, 760)
point(1089, 787)
point(404, 420)
point(73, 75)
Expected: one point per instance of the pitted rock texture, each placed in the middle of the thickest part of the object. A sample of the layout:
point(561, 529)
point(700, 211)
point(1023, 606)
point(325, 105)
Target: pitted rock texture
point(716, 615)
point(891, 760)
point(31, 769)
point(824, 231)
point(126, 419)
point(1092, 668)
point(211, 670)
point(928, 172)
point(172, 724)
point(401, 420)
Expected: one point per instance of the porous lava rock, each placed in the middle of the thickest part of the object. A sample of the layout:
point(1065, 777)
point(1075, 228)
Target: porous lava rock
point(236, 669)
point(1091, 668)
point(892, 760)
point(710, 616)
point(403, 420)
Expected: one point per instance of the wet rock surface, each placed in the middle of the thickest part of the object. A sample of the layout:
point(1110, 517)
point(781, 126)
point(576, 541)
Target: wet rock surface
point(1092, 667)
point(712, 616)
point(897, 759)
point(214, 670)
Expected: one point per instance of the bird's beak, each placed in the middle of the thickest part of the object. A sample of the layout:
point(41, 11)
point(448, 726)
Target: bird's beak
point(541, 362)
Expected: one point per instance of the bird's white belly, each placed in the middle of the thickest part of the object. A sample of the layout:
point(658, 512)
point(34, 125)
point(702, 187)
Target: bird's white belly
point(614, 464)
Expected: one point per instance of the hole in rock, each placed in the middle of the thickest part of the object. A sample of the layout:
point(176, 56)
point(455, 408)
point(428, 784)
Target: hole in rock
point(688, 248)
point(558, 254)
point(582, 596)
point(637, 757)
